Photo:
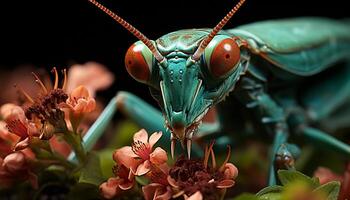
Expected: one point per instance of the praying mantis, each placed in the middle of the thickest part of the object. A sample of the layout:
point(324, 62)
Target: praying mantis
point(292, 75)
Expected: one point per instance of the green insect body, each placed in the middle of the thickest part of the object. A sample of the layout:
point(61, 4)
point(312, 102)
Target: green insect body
point(275, 69)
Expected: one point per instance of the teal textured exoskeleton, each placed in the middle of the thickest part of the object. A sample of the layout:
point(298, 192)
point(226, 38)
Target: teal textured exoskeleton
point(291, 74)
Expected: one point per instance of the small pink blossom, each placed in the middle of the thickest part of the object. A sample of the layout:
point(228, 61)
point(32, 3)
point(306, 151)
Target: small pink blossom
point(159, 188)
point(7, 140)
point(140, 156)
point(9, 109)
point(60, 146)
point(80, 101)
point(156, 191)
point(325, 175)
point(18, 124)
point(92, 75)
point(124, 180)
point(15, 167)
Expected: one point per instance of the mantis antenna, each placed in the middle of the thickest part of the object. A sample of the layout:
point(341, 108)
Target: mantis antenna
point(132, 30)
point(215, 30)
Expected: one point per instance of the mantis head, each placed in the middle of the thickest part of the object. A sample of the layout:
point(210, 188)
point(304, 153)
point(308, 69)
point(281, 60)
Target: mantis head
point(187, 72)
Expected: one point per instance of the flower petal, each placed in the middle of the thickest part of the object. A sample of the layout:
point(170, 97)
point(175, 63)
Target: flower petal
point(126, 157)
point(131, 174)
point(92, 75)
point(154, 138)
point(60, 146)
point(158, 156)
point(196, 196)
point(230, 171)
point(29, 154)
point(126, 185)
point(178, 194)
point(325, 175)
point(164, 168)
point(5, 135)
point(141, 136)
point(143, 168)
point(10, 110)
point(80, 106)
point(14, 162)
point(164, 195)
point(172, 182)
point(225, 184)
point(22, 144)
point(110, 188)
point(91, 105)
point(79, 92)
point(150, 190)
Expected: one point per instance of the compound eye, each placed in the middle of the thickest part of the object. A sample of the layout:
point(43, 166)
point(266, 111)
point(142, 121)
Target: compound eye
point(224, 58)
point(136, 64)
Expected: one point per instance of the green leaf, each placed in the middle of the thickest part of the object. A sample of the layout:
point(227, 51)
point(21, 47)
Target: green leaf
point(271, 196)
point(316, 180)
point(107, 162)
point(270, 189)
point(331, 190)
point(91, 171)
point(289, 176)
point(246, 197)
point(53, 174)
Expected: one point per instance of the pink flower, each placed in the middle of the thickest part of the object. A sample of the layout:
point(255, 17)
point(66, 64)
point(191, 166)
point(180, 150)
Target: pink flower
point(114, 186)
point(325, 175)
point(15, 167)
point(140, 156)
point(92, 75)
point(9, 109)
point(159, 188)
point(18, 124)
point(60, 146)
point(80, 101)
point(156, 191)
point(7, 140)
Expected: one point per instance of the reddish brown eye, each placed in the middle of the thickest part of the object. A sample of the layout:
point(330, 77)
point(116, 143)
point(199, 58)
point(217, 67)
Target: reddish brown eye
point(224, 58)
point(136, 64)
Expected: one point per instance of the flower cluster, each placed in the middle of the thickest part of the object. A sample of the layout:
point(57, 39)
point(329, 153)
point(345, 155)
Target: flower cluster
point(26, 130)
point(192, 179)
point(15, 166)
point(190, 176)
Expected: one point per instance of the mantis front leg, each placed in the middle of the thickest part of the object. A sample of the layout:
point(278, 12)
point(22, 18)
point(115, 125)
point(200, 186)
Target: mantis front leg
point(253, 95)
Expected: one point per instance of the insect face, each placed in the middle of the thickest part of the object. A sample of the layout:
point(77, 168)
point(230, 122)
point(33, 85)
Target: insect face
point(177, 79)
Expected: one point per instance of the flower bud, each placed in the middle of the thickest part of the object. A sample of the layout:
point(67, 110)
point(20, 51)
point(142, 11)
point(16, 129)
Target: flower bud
point(15, 162)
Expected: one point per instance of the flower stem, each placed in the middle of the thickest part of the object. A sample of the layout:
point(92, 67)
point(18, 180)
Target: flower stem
point(223, 193)
point(63, 160)
point(75, 141)
point(49, 157)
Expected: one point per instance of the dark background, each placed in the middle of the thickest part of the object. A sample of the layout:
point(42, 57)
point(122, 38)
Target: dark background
point(63, 32)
